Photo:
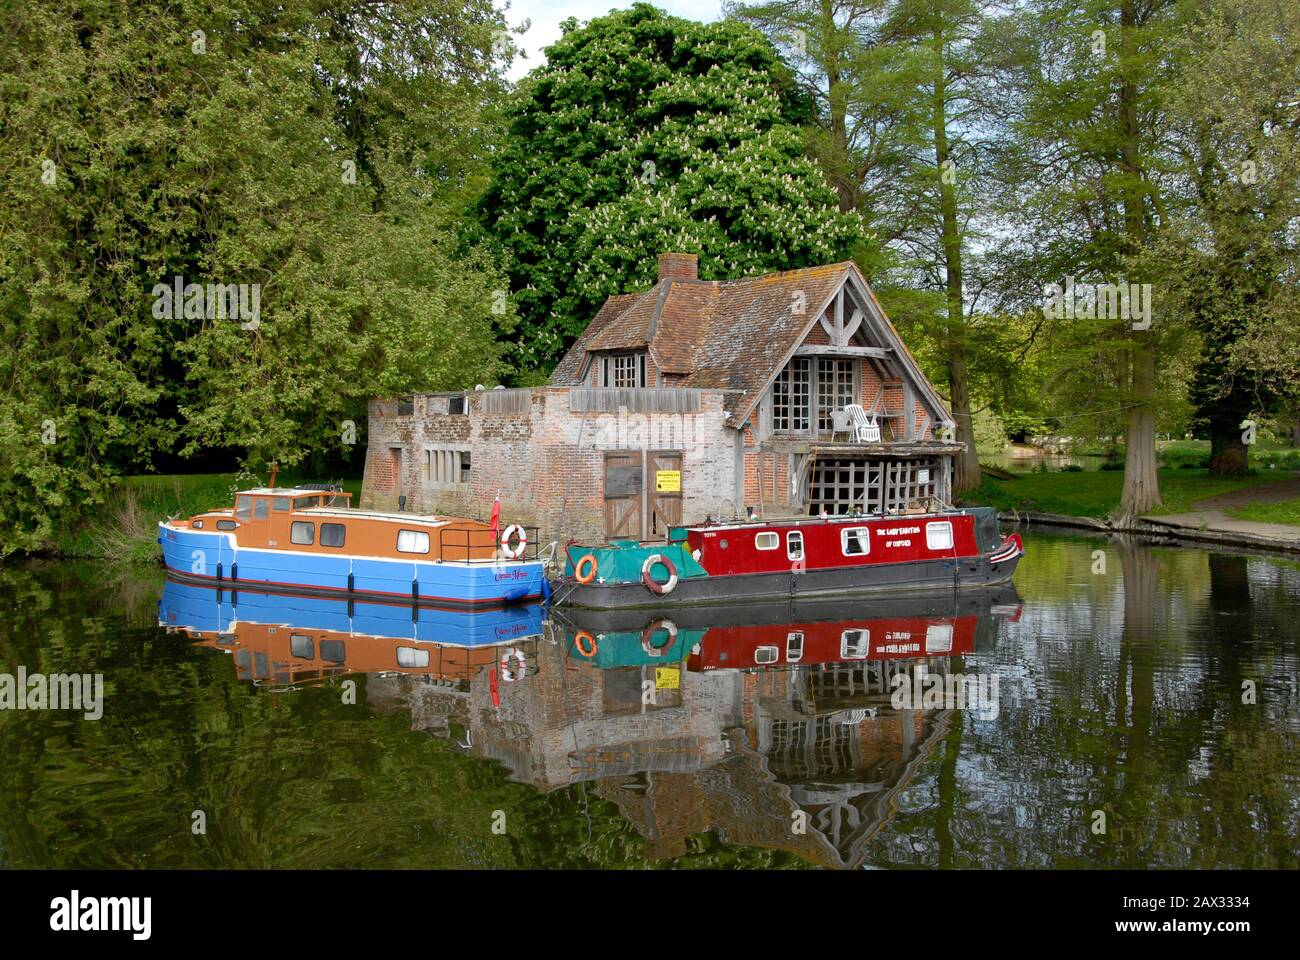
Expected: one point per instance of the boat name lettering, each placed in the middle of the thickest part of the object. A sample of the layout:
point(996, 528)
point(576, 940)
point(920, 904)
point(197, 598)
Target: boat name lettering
point(516, 574)
point(897, 531)
point(900, 648)
point(898, 543)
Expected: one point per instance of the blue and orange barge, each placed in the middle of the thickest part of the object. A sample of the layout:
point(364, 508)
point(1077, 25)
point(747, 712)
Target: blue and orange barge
point(309, 542)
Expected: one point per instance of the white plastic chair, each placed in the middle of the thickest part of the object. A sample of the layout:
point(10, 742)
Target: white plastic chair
point(865, 428)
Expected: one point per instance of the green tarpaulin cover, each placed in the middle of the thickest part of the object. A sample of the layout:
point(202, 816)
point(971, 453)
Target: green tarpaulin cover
point(621, 560)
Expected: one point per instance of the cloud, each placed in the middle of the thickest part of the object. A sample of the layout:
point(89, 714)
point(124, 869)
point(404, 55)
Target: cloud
point(546, 16)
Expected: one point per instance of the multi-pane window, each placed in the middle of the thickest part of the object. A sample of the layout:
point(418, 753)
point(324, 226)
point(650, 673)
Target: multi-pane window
point(623, 370)
point(791, 396)
point(834, 389)
point(445, 466)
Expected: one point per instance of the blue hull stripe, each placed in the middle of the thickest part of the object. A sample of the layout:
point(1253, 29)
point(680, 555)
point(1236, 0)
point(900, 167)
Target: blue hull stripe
point(192, 553)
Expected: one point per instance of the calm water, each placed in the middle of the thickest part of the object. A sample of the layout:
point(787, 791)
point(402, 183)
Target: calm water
point(294, 743)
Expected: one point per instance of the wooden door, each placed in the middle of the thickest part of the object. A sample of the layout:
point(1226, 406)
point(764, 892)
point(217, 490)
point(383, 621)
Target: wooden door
point(664, 491)
point(624, 493)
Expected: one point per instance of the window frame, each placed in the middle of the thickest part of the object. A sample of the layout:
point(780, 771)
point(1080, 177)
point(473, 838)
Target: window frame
point(333, 546)
point(865, 538)
point(776, 540)
point(938, 524)
point(862, 633)
point(417, 533)
point(790, 536)
point(293, 533)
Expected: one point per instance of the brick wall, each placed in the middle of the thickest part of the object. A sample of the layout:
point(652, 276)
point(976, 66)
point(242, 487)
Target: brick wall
point(546, 462)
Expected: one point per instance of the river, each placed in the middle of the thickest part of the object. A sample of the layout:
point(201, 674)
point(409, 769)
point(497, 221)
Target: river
point(1139, 708)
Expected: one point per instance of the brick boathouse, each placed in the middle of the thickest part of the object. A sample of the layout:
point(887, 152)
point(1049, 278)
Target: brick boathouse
point(694, 399)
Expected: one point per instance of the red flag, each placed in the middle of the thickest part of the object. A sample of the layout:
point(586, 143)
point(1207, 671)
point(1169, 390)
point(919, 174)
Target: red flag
point(496, 517)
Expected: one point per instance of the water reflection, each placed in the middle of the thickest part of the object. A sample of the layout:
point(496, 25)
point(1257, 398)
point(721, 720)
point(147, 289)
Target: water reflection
point(1159, 687)
point(771, 725)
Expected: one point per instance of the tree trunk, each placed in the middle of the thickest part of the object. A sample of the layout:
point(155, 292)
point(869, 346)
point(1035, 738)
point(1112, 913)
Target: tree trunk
point(966, 476)
point(1141, 484)
point(1229, 456)
point(1295, 433)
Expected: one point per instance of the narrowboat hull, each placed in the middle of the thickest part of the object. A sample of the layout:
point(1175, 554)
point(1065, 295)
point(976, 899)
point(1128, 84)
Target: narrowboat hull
point(916, 577)
point(215, 558)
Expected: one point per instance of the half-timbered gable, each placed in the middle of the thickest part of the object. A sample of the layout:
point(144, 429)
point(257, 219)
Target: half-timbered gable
point(832, 410)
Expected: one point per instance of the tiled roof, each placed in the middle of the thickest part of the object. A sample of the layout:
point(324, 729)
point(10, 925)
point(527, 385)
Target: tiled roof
point(724, 334)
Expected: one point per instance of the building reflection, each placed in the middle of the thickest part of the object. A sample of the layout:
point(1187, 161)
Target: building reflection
point(771, 726)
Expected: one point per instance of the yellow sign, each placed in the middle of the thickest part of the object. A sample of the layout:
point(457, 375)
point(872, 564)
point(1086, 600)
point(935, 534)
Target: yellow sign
point(667, 678)
point(668, 481)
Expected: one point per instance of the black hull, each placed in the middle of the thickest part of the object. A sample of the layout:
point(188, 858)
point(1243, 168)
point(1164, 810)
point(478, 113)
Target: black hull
point(917, 578)
point(976, 601)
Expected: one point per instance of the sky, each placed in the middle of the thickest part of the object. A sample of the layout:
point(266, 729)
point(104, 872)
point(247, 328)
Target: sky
point(547, 14)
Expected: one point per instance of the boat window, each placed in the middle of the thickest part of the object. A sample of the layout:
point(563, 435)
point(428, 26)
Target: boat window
point(412, 657)
point(412, 541)
point(261, 664)
point(302, 646)
point(794, 647)
point(855, 644)
point(306, 503)
point(855, 541)
point(197, 524)
point(794, 544)
point(938, 536)
point(301, 531)
point(226, 524)
point(767, 541)
point(243, 507)
point(260, 508)
point(332, 534)
point(332, 651)
point(938, 638)
point(279, 504)
point(766, 654)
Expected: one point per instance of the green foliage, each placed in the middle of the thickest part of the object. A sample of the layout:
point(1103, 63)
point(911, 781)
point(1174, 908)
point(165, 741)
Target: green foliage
point(316, 151)
point(644, 134)
point(1097, 493)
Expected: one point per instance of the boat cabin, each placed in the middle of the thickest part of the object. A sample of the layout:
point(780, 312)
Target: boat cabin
point(307, 520)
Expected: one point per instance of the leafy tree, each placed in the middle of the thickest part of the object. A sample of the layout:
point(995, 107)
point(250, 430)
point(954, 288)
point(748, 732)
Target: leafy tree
point(645, 133)
point(316, 151)
point(1231, 258)
point(1086, 194)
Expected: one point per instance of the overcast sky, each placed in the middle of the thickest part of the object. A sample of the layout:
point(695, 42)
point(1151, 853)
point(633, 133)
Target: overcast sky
point(547, 14)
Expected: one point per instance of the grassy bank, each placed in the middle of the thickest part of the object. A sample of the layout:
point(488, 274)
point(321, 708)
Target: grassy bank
point(1097, 493)
point(1288, 511)
point(125, 529)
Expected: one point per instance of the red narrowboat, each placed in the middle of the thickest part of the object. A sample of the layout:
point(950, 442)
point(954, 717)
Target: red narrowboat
point(803, 557)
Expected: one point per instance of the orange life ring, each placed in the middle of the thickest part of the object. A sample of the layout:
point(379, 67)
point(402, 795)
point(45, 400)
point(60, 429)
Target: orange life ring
point(654, 586)
point(584, 635)
point(651, 629)
point(577, 570)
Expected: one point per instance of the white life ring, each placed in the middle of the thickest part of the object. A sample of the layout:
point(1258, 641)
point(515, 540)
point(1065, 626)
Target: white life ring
point(517, 551)
point(651, 629)
point(506, 674)
point(653, 585)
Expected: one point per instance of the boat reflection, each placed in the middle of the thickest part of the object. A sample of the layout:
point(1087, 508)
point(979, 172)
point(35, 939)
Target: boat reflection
point(769, 725)
point(286, 641)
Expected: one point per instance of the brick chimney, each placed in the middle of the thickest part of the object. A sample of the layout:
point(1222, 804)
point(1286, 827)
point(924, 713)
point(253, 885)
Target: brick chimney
point(679, 266)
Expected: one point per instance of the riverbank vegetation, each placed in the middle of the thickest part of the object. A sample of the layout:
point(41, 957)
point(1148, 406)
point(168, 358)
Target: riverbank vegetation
point(228, 226)
point(1097, 494)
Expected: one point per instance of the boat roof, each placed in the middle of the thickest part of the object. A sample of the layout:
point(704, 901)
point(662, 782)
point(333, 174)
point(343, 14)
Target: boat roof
point(291, 492)
point(802, 521)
